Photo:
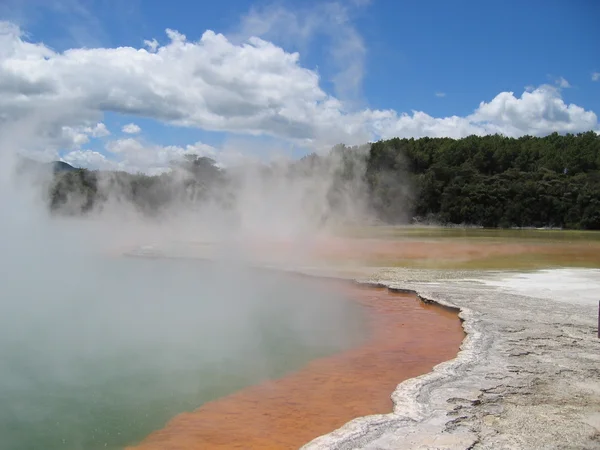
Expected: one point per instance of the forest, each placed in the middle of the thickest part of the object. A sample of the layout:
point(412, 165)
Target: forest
point(490, 181)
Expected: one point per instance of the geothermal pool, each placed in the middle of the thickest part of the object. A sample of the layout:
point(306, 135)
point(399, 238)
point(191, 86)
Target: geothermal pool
point(99, 352)
point(406, 338)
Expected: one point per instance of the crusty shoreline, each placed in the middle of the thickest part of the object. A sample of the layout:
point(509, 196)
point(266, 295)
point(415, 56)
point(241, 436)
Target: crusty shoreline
point(410, 407)
point(527, 376)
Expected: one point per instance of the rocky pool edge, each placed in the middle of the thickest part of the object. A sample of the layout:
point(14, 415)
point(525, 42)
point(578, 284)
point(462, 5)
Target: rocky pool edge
point(411, 405)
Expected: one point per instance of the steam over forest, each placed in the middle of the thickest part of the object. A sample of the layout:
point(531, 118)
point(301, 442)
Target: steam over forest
point(491, 181)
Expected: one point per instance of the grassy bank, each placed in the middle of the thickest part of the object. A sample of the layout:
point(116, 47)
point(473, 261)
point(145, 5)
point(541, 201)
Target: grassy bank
point(472, 248)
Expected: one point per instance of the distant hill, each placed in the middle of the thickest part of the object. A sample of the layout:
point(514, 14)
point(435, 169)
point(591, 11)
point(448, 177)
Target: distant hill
point(61, 166)
point(27, 164)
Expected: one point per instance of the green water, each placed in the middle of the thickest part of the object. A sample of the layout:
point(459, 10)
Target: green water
point(111, 349)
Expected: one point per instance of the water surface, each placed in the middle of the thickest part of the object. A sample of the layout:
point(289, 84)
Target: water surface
point(111, 349)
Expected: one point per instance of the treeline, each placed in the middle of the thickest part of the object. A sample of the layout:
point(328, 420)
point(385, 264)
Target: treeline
point(315, 189)
point(492, 181)
point(195, 180)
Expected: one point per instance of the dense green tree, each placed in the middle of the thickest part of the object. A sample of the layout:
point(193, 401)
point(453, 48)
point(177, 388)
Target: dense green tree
point(493, 181)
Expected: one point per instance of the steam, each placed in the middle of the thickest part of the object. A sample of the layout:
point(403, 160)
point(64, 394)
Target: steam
point(113, 339)
point(293, 202)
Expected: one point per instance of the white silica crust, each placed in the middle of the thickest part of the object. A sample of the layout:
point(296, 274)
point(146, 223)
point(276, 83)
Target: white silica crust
point(527, 375)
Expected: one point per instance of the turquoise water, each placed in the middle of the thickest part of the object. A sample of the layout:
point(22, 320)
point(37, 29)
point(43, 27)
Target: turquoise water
point(100, 352)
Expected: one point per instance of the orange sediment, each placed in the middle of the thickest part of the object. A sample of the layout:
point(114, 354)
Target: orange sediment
point(407, 338)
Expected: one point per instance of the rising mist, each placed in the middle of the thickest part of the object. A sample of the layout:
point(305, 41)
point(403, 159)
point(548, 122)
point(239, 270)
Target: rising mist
point(101, 348)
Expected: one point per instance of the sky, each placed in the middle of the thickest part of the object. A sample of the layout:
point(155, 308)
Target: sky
point(133, 85)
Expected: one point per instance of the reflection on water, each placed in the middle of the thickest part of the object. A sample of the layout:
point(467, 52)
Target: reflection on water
point(109, 352)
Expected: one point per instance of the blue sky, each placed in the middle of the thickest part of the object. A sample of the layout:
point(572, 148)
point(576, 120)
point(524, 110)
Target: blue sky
point(438, 57)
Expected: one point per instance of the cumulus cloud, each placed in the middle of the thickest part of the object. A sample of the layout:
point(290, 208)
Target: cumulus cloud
point(131, 128)
point(79, 135)
point(537, 112)
point(595, 76)
point(253, 87)
point(440, 94)
point(541, 111)
point(89, 159)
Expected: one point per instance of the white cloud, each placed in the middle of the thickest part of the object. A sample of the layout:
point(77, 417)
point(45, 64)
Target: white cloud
point(152, 45)
point(131, 128)
point(89, 159)
point(595, 76)
point(74, 137)
point(145, 157)
point(99, 130)
point(80, 135)
point(212, 84)
point(563, 83)
point(132, 155)
point(539, 112)
point(253, 88)
point(440, 94)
